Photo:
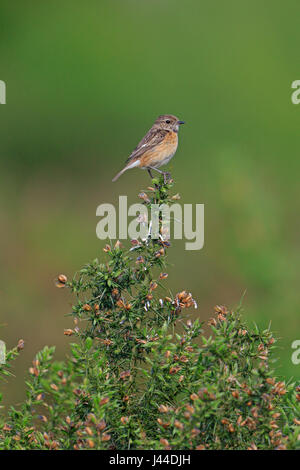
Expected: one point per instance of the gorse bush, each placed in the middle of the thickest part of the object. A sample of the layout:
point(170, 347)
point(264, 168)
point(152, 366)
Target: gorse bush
point(133, 381)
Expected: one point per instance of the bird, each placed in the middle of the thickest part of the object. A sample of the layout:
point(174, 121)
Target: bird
point(157, 147)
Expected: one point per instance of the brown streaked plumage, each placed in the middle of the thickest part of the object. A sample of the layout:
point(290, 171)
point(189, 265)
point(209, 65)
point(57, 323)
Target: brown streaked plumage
point(157, 147)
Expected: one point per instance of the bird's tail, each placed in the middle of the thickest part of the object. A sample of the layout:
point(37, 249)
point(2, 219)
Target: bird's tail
point(119, 174)
point(127, 167)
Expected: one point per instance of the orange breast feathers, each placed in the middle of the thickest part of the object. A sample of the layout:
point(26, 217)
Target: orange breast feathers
point(162, 153)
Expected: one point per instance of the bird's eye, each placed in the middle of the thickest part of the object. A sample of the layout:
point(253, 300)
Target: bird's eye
point(168, 121)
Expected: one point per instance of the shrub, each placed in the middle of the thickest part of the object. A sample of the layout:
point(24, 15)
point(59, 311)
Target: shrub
point(133, 381)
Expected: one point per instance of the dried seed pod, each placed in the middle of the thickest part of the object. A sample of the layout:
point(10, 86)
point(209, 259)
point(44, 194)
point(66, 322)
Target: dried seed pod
point(104, 401)
point(183, 359)
point(69, 332)
point(163, 276)
point(163, 409)
point(61, 281)
point(153, 285)
point(115, 293)
point(190, 408)
point(101, 425)
point(221, 309)
point(252, 446)
point(194, 396)
point(164, 442)
point(33, 371)
point(7, 427)
point(225, 421)
point(239, 420)
point(162, 423)
point(178, 424)
point(20, 344)
point(125, 374)
point(88, 431)
point(144, 196)
point(270, 381)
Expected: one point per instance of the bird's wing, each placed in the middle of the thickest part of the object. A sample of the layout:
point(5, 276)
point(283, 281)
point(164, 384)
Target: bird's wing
point(151, 139)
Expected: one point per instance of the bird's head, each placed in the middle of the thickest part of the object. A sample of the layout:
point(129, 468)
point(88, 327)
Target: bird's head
point(168, 122)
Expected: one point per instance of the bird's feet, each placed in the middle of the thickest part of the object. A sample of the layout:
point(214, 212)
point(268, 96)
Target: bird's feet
point(167, 177)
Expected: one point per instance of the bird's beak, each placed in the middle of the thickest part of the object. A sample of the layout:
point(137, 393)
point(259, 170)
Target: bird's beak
point(181, 122)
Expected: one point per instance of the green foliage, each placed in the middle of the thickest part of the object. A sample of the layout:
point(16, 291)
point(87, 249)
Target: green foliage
point(132, 382)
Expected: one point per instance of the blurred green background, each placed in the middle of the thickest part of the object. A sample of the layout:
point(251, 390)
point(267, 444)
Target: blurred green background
point(85, 81)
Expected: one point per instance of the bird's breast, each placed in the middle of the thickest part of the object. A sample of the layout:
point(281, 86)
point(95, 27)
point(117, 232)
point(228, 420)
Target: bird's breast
point(162, 153)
